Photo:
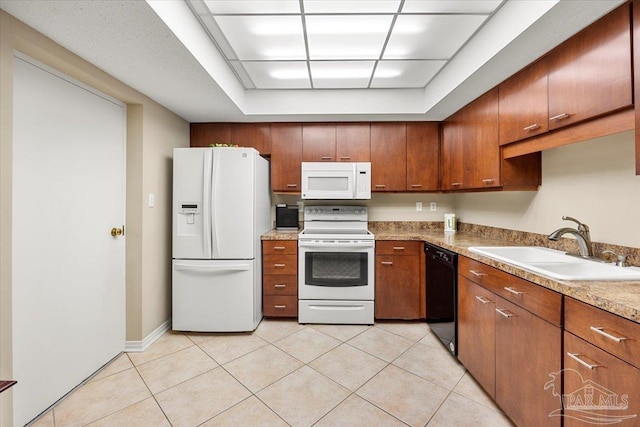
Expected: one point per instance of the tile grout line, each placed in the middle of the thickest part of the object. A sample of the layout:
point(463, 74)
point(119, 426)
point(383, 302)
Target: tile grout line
point(153, 395)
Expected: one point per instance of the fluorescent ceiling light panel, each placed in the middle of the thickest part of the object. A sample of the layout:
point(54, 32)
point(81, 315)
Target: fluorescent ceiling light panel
point(347, 37)
point(278, 75)
point(438, 36)
point(341, 74)
point(353, 6)
point(405, 74)
point(451, 6)
point(255, 6)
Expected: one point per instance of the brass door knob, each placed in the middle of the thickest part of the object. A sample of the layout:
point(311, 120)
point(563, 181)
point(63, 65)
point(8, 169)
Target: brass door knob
point(117, 231)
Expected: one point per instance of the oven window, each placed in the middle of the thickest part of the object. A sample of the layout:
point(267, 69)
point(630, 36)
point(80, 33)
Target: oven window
point(336, 269)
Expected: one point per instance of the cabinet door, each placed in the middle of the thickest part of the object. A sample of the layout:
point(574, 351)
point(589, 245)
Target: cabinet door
point(205, 134)
point(286, 156)
point(590, 74)
point(256, 135)
point(319, 142)
point(453, 153)
point(423, 156)
point(476, 332)
point(606, 383)
point(397, 287)
point(388, 156)
point(528, 349)
point(523, 104)
point(483, 169)
point(353, 142)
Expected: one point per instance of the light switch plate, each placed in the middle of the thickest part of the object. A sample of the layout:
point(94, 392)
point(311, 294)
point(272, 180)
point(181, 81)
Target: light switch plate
point(418, 206)
point(152, 200)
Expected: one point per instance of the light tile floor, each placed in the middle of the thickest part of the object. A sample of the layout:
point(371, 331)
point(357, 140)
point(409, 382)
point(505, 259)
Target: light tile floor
point(284, 374)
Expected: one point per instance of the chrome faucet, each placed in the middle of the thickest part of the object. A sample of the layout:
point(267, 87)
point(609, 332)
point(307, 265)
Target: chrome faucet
point(581, 235)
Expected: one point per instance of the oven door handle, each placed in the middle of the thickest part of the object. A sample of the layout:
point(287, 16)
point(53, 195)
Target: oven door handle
point(364, 245)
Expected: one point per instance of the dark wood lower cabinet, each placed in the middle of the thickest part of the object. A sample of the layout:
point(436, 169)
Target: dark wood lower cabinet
point(399, 280)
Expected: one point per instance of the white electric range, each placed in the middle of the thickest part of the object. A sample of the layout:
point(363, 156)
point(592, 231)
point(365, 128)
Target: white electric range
point(336, 266)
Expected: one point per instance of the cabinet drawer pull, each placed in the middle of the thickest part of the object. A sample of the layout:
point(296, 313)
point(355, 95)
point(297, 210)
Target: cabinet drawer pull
point(278, 248)
point(529, 128)
point(482, 299)
point(386, 262)
point(513, 291)
point(576, 357)
point(292, 185)
point(280, 306)
point(416, 185)
point(504, 312)
point(559, 116)
point(345, 158)
point(475, 273)
point(604, 334)
point(380, 186)
point(326, 157)
point(398, 248)
point(279, 265)
point(456, 184)
point(280, 286)
point(488, 180)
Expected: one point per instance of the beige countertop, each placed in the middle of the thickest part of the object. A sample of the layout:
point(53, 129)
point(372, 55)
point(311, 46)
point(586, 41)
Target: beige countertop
point(621, 298)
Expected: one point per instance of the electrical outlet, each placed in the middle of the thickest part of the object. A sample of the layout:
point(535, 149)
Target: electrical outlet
point(418, 206)
point(433, 206)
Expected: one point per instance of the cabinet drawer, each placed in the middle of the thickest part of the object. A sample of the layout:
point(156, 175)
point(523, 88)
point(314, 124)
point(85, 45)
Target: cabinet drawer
point(280, 264)
point(288, 247)
point(278, 284)
point(280, 305)
point(540, 301)
point(397, 247)
point(618, 336)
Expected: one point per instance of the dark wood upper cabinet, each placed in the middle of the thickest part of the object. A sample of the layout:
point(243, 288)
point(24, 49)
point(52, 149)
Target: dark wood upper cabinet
point(205, 134)
point(423, 156)
point(453, 151)
point(353, 142)
point(319, 142)
point(523, 104)
point(388, 156)
point(286, 156)
point(256, 135)
point(483, 169)
point(590, 74)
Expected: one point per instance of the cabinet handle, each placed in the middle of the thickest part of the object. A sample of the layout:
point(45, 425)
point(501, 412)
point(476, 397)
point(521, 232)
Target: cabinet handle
point(604, 334)
point(279, 265)
point(380, 186)
point(292, 185)
point(345, 158)
point(483, 300)
point(559, 116)
point(475, 273)
point(386, 262)
point(504, 313)
point(278, 248)
point(326, 158)
point(576, 357)
point(534, 126)
point(279, 286)
point(280, 306)
point(456, 184)
point(488, 180)
point(513, 291)
point(416, 185)
point(398, 248)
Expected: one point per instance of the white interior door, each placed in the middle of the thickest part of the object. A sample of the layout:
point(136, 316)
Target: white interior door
point(68, 271)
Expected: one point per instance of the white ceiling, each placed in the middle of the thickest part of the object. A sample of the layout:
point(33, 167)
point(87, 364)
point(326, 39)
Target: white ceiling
point(159, 48)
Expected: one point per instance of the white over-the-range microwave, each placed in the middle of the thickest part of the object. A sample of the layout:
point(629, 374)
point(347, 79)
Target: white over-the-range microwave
point(336, 180)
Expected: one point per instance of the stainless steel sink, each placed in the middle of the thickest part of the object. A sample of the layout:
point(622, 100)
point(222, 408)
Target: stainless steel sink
point(556, 264)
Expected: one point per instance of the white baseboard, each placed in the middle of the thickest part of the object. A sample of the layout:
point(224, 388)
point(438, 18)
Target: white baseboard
point(140, 346)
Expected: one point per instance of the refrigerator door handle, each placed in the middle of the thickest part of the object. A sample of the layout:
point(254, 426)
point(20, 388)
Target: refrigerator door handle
point(212, 268)
point(206, 214)
point(214, 204)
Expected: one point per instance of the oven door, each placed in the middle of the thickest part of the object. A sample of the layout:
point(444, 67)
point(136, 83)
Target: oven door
point(336, 269)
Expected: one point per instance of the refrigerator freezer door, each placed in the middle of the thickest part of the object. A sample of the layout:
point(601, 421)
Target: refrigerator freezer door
point(213, 296)
point(232, 204)
point(191, 203)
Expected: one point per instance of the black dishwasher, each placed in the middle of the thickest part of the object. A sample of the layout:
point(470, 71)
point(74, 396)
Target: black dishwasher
point(441, 294)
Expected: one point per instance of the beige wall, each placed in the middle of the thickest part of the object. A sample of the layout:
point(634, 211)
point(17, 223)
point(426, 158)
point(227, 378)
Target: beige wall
point(152, 132)
point(593, 181)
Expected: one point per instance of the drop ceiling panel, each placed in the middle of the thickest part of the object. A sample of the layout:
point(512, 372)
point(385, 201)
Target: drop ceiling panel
point(357, 6)
point(405, 74)
point(341, 74)
point(450, 6)
point(255, 6)
point(278, 75)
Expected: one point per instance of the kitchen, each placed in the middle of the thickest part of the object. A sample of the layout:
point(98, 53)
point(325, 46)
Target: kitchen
point(585, 180)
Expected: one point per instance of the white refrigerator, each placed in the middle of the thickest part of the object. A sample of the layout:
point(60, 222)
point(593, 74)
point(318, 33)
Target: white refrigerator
point(221, 207)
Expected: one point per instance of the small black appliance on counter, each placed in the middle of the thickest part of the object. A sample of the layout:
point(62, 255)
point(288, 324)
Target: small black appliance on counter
point(286, 217)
